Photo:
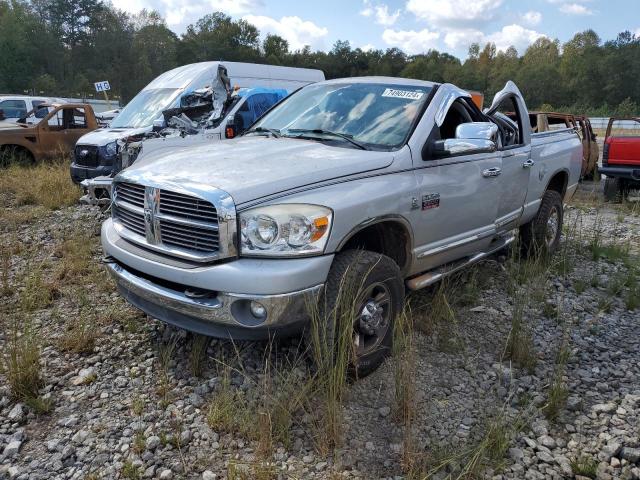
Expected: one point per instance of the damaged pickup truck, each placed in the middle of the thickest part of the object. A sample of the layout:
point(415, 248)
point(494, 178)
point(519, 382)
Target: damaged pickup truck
point(387, 183)
point(54, 135)
point(189, 105)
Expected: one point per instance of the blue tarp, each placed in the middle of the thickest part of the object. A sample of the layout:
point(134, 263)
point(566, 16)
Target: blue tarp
point(258, 101)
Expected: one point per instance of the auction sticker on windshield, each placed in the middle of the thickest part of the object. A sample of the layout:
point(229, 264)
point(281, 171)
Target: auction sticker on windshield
point(408, 94)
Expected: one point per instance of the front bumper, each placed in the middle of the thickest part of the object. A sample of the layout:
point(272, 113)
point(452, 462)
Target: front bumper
point(216, 314)
point(621, 172)
point(215, 299)
point(80, 172)
point(98, 191)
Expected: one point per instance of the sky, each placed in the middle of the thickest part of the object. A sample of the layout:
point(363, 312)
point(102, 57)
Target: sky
point(415, 26)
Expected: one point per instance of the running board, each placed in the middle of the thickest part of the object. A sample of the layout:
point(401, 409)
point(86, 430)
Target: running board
point(433, 276)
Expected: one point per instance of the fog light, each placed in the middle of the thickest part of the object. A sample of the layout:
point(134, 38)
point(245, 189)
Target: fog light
point(258, 310)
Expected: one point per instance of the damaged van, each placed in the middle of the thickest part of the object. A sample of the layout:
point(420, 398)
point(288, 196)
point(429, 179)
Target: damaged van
point(200, 98)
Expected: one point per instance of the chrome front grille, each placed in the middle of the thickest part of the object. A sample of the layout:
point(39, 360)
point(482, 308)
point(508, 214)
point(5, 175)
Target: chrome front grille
point(175, 223)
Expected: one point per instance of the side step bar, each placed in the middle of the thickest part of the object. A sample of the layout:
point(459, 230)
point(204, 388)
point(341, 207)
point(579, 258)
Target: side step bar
point(434, 276)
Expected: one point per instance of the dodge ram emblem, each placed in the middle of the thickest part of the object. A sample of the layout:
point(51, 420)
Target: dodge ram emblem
point(151, 210)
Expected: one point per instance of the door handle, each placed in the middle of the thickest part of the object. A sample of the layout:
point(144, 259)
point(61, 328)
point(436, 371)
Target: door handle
point(491, 172)
point(528, 163)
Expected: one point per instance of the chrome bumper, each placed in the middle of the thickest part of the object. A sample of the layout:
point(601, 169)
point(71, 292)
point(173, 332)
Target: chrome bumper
point(217, 314)
point(98, 191)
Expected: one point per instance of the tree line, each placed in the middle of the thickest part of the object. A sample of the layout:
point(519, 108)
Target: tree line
point(60, 47)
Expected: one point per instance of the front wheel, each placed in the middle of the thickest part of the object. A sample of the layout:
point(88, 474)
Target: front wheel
point(542, 234)
point(362, 297)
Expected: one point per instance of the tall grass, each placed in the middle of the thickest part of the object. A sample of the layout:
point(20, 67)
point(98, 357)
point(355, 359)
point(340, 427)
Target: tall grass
point(45, 184)
point(21, 362)
point(332, 351)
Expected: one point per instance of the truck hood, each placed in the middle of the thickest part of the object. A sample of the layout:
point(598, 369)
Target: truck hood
point(249, 168)
point(13, 127)
point(103, 136)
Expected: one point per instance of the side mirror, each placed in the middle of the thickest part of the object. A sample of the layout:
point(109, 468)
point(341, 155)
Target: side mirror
point(471, 138)
point(22, 120)
point(235, 126)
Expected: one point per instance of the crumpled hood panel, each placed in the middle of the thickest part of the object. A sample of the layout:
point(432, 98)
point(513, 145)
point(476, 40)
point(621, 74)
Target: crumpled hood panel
point(103, 136)
point(253, 167)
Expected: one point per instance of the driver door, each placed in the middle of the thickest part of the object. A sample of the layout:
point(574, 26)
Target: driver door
point(59, 131)
point(516, 155)
point(457, 197)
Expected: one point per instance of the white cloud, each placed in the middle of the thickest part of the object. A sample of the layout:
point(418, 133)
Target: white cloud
point(515, 35)
point(234, 7)
point(461, 38)
point(178, 13)
point(575, 9)
point(380, 13)
point(368, 47)
point(532, 18)
point(383, 17)
point(410, 41)
point(296, 31)
point(636, 32)
point(454, 12)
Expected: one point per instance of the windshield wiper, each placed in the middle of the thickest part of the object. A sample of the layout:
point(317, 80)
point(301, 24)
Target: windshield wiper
point(319, 131)
point(273, 131)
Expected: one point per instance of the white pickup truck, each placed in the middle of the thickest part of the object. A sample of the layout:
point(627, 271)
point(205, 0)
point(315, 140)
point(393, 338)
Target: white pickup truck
point(386, 183)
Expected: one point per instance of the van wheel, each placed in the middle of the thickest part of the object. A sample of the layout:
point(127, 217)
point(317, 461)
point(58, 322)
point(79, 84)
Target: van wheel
point(613, 190)
point(362, 297)
point(542, 234)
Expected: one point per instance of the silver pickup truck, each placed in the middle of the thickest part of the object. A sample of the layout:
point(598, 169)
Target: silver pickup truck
point(391, 181)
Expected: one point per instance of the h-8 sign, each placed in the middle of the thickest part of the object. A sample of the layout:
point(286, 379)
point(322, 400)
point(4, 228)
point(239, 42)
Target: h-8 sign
point(102, 86)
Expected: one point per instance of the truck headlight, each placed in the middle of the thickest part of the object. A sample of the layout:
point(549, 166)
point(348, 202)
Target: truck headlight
point(110, 149)
point(285, 230)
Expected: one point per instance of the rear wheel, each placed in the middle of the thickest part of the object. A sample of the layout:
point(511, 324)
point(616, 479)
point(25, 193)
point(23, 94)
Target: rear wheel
point(362, 297)
point(15, 155)
point(542, 234)
point(613, 190)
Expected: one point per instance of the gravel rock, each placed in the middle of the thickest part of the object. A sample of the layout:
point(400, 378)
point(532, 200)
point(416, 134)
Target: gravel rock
point(631, 455)
point(12, 448)
point(16, 414)
point(151, 443)
point(166, 475)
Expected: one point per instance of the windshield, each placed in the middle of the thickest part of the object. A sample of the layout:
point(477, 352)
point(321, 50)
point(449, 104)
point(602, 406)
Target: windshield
point(145, 107)
point(377, 115)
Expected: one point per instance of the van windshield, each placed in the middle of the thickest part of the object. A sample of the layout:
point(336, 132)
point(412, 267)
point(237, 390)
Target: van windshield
point(376, 115)
point(145, 107)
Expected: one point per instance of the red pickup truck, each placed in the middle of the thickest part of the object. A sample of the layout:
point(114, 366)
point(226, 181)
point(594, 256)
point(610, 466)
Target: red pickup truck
point(621, 157)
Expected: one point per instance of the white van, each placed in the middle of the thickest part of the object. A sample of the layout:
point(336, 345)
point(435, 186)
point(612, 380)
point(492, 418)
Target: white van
point(98, 148)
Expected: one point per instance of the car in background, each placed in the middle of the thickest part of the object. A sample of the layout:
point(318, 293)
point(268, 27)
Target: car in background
point(14, 107)
point(144, 112)
point(53, 136)
point(621, 158)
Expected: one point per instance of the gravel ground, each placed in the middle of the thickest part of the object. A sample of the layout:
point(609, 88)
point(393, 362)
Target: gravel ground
point(131, 406)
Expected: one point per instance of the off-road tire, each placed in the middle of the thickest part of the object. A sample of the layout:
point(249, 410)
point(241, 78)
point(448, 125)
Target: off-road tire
point(613, 190)
point(533, 235)
point(359, 269)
